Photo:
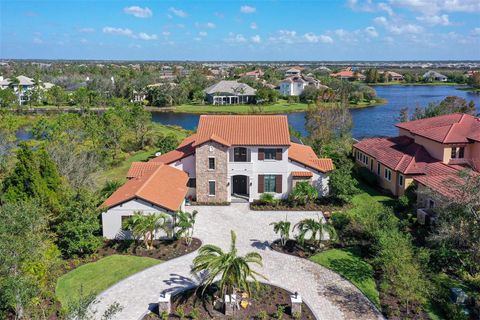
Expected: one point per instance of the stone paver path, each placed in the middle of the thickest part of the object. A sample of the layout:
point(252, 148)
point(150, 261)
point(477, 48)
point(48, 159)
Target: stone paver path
point(328, 294)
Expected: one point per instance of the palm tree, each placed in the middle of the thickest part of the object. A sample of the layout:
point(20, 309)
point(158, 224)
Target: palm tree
point(185, 222)
point(283, 228)
point(316, 228)
point(146, 226)
point(233, 270)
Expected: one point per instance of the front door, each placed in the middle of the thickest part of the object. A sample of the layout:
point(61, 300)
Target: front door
point(240, 185)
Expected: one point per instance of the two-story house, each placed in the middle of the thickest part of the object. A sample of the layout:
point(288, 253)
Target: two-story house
point(428, 152)
point(295, 85)
point(229, 158)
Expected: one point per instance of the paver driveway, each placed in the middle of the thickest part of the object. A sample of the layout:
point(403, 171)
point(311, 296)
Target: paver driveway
point(328, 295)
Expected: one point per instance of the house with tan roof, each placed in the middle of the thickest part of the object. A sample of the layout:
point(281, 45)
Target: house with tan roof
point(428, 152)
point(230, 92)
point(229, 158)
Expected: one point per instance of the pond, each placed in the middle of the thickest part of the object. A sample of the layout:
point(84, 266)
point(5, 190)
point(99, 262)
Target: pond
point(367, 122)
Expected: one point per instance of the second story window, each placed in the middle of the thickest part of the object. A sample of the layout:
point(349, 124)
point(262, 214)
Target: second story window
point(240, 154)
point(211, 163)
point(461, 152)
point(388, 174)
point(454, 152)
point(270, 154)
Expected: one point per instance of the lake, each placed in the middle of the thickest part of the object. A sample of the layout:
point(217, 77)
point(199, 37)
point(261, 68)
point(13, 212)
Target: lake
point(367, 122)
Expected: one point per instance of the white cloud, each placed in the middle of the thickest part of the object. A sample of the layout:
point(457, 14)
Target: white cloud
point(253, 25)
point(118, 31)
point(397, 27)
point(256, 39)
point(197, 39)
point(313, 38)
point(203, 34)
point(247, 9)
point(178, 12)
point(134, 45)
point(476, 32)
point(138, 12)
point(434, 20)
point(37, 41)
point(83, 40)
point(369, 6)
point(210, 25)
point(371, 32)
point(147, 37)
point(235, 38)
point(285, 36)
point(86, 30)
point(434, 6)
point(166, 33)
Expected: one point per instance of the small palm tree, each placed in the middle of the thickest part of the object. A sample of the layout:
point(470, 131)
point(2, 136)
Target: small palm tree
point(185, 222)
point(146, 226)
point(282, 228)
point(316, 229)
point(234, 271)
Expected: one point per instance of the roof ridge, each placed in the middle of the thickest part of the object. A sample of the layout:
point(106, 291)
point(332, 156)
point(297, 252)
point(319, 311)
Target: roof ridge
point(149, 178)
point(449, 130)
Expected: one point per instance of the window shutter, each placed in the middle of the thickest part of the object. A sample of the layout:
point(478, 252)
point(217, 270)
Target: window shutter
point(261, 184)
point(278, 184)
point(278, 155)
point(261, 154)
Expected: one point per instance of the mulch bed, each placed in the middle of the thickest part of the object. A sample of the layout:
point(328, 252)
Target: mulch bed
point(285, 206)
point(263, 304)
point(294, 249)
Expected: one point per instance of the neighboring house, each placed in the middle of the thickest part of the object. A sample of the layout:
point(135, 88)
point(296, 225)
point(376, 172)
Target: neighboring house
point(255, 74)
point(429, 152)
point(434, 76)
point(230, 92)
point(294, 86)
point(167, 73)
point(292, 72)
point(348, 75)
point(393, 76)
point(23, 86)
point(229, 158)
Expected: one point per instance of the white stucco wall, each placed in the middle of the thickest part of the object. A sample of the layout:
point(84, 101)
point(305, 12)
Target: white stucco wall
point(112, 218)
point(187, 165)
point(319, 180)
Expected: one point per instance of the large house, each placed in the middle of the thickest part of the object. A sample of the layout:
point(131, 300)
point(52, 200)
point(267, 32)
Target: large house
point(22, 87)
point(294, 85)
point(434, 76)
point(230, 92)
point(229, 158)
point(348, 74)
point(428, 152)
point(255, 74)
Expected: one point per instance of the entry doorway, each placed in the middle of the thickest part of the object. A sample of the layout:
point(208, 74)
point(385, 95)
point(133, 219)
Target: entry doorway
point(240, 185)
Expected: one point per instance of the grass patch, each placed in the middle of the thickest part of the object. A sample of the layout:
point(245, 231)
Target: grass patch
point(367, 191)
point(97, 276)
point(349, 264)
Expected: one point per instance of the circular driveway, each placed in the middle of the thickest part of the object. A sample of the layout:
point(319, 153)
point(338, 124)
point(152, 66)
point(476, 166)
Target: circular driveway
point(328, 294)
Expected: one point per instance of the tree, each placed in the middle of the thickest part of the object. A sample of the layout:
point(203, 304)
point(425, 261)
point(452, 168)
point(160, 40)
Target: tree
point(7, 98)
point(167, 143)
point(114, 130)
point(78, 227)
point(56, 95)
point(303, 193)
point(147, 225)
point(24, 265)
point(451, 104)
point(282, 228)
point(233, 271)
point(316, 229)
point(342, 184)
point(140, 121)
point(184, 225)
point(474, 80)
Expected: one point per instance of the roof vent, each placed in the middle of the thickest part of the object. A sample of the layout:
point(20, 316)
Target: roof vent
point(158, 154)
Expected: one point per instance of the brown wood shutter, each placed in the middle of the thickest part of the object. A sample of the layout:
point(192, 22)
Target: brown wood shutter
point(278, 155)
point(261, 154)
point(261, 183)
point(278, 184)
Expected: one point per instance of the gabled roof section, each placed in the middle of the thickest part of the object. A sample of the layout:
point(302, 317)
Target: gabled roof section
point(243, 130)
point(450, 128)
point(140, 169)
point(165, 187)
point(183, 150)
point(306, 156)
point(232, 87)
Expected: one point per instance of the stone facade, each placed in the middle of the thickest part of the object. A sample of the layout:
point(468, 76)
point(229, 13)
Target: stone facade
point(204, 174)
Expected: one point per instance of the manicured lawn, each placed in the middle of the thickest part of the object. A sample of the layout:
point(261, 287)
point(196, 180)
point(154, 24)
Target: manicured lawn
point(368, 192)
point(349, 264)
point(97, 276)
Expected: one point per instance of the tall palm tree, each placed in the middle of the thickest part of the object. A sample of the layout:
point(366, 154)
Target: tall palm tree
point(185, 222)
point(234, 271)
point(146, 226)
point(282, 228)
point(316, 229)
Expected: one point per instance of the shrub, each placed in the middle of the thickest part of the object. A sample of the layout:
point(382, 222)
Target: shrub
point(262, 315)
point(366, 175)
point(268, 198)
point(302, 193)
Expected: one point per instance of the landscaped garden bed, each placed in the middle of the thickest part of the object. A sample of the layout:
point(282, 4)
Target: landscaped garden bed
point(269, 302)
point(292, 247)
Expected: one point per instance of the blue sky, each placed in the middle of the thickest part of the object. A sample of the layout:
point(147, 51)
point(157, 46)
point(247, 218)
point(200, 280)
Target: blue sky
point(241, 30)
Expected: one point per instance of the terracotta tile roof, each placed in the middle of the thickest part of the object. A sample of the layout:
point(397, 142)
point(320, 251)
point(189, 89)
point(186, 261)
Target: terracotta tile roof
point(183, 150)
point(139, 169)
point(451, 128)
point(398, 153)
point(165, 187)
point(347, 73)
point(302, 174)
point(306, 156)
point(243, 130)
